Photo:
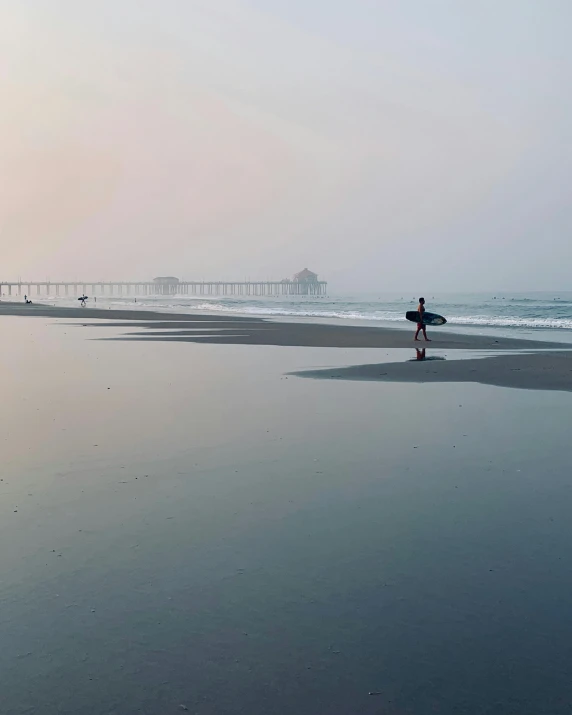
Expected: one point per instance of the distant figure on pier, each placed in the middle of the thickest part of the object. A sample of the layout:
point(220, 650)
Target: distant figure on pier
point(83, 300)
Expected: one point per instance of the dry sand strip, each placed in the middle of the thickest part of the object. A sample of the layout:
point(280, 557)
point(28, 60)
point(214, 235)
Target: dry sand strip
point(238, 330)
point(53, 311)
point(336, 336)
point(531, 371)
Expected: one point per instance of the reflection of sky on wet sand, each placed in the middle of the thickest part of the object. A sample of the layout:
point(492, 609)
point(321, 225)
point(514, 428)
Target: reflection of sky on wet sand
point(188, 524)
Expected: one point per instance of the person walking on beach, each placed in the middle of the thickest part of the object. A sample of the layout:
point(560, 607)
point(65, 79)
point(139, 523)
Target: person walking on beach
point(421, 324)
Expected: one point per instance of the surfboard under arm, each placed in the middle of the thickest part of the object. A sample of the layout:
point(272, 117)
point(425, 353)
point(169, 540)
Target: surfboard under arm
point(428, 318)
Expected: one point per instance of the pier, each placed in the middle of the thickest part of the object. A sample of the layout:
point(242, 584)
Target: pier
point(304, 283)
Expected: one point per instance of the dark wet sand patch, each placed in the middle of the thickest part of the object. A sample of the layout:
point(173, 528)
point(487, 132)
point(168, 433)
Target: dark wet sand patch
point(532, 371)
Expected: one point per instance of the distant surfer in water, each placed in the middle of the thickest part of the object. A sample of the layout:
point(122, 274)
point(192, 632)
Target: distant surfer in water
point(421, 324)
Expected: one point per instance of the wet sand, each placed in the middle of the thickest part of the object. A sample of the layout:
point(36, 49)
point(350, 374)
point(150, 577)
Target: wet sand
point(542, 370)
point(190, 528)
point(533, 371)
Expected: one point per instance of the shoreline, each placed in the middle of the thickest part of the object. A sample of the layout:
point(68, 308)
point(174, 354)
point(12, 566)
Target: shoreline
point(243, 330)
point(531, 318)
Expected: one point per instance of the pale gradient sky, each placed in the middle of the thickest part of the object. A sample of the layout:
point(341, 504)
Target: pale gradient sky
point(385, 144)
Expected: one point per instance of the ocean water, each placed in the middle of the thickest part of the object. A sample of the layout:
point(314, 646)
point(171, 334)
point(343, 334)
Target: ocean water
point(481, 312)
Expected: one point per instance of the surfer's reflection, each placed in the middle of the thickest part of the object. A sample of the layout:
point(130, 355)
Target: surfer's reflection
point(421, 354)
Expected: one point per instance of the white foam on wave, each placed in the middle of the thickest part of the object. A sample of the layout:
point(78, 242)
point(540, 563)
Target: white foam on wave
point(261, 311)
point(512, 322)
point(386, 316)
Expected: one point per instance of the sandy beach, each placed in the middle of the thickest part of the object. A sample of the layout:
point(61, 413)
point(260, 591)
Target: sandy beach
point(531, 364)
point(188, 526)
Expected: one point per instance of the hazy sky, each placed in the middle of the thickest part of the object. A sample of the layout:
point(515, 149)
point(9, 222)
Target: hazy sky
point(385, 144)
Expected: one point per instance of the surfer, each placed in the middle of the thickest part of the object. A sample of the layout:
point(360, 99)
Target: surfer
point(420, 323)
